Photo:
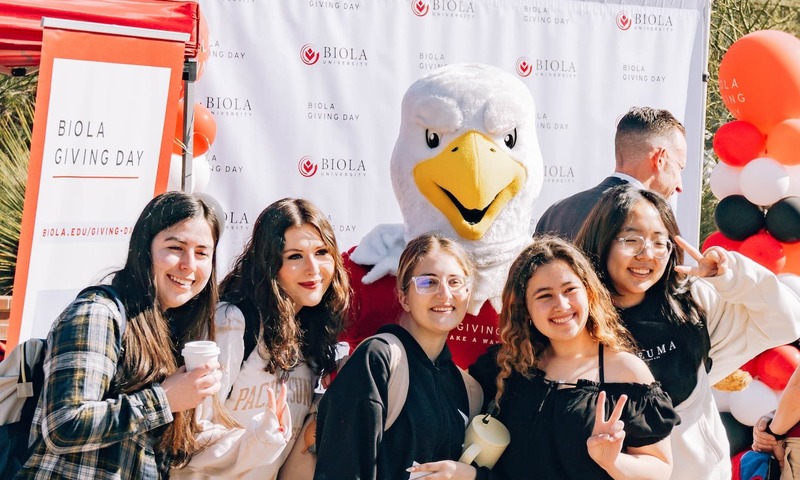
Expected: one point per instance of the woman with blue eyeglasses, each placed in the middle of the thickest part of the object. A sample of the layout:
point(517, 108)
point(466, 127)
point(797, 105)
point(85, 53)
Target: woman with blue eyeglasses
point(693, 325)
point(353, 441)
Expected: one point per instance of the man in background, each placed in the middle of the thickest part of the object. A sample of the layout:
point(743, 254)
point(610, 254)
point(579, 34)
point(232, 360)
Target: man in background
point(650, 151)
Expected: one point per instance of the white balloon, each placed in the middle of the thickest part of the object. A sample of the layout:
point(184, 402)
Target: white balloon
point(198, 181)
point(750, 404)
point(764, 181)
point(175, 170)
point(723, 400)
point(794, 180)
point(200, 173)
point(724, 180)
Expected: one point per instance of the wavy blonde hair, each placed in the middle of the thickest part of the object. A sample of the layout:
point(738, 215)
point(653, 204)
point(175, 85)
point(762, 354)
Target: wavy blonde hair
point(521, 343)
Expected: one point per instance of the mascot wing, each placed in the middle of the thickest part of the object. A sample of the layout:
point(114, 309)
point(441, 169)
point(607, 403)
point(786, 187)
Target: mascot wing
point(380, 247)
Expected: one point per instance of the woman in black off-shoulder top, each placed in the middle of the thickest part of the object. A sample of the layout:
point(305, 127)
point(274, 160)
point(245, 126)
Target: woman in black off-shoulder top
point(564, 359)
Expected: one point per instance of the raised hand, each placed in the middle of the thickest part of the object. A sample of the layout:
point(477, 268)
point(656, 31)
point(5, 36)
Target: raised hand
point(605, 444)
point(711, 263)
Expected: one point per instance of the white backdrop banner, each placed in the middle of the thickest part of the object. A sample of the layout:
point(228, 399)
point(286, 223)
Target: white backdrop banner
point(306, 94)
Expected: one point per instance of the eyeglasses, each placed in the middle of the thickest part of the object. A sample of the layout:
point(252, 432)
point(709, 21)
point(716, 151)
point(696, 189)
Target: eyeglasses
point(634, 245)
point(429, 285)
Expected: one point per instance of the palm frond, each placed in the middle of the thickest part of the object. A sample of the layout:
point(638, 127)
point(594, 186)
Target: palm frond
point(17, 97)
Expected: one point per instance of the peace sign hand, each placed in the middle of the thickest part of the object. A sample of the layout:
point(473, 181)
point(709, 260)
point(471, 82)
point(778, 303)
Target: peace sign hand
point(711, 263)
point(605, 444)
point(277, 403)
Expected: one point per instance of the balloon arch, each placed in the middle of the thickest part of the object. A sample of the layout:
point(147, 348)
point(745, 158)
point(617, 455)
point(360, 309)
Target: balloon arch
point(757, 183)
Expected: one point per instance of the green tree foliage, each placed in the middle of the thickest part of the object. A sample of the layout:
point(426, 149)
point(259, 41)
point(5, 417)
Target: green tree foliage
point(17, 99)
point(730, 21)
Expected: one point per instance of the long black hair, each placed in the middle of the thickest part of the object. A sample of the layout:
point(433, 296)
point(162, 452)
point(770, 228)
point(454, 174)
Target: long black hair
point(603, 226)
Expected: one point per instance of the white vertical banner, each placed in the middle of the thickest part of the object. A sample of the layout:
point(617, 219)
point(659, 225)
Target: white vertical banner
point(307, 93)
point(100, 130)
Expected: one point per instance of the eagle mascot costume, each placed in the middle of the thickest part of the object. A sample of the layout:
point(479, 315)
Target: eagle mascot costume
point(466, 164)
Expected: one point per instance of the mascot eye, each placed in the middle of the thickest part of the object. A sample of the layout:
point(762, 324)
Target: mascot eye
point(511, 139)
point(432, 139)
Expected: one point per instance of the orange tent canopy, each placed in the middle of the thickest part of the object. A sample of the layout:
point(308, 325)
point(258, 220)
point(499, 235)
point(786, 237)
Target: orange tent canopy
point(21, 22)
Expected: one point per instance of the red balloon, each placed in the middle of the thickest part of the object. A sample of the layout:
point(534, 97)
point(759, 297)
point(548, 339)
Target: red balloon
point(764, 249)
point(783, 142)
point(759, 78)
point(775, 366)
point(718, 239)
point(738, 142)
point(751, 367)
point(205, 130)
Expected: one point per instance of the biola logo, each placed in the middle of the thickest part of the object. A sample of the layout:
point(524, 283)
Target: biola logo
point(420, 7)
point(524, 67)
point(309, 54)
point(307, 167)
point(624, 21)
point(649, 21)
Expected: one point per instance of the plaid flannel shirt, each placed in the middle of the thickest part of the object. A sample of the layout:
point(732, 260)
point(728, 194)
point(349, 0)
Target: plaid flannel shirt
point(82, 428)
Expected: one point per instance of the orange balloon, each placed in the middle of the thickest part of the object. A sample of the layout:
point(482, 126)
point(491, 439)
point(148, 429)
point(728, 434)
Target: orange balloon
point(783, 142)
point(792, 251)
point(759, 78)
point(205, 130)
point(204, 126)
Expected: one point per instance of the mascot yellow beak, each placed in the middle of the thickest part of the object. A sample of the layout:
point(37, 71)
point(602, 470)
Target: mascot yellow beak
point(470, 182)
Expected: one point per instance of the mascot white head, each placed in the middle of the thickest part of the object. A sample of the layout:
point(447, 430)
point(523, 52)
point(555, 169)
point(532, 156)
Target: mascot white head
point(467, 164)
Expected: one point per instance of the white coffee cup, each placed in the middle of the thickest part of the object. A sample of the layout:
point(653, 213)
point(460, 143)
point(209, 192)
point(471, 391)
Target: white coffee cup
point(199, 352)
point(485, 441)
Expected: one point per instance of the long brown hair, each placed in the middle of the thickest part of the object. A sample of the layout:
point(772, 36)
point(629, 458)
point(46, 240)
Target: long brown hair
point(283, 337)
point(152, 336)
point(521, 343)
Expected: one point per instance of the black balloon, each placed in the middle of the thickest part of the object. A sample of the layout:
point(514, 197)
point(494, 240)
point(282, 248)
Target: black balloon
point(783, 220)
point(737, 218)
point(739, 436)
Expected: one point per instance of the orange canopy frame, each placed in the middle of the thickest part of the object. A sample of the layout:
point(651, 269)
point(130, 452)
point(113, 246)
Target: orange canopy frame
point(21, 23)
